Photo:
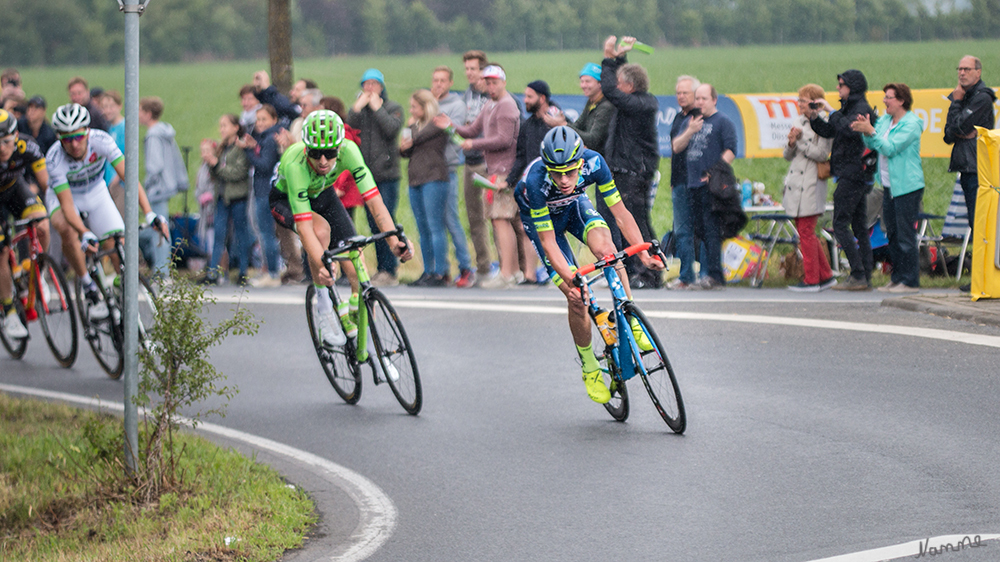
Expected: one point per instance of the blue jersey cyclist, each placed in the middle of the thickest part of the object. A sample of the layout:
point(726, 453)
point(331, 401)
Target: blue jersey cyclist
point(553, 200)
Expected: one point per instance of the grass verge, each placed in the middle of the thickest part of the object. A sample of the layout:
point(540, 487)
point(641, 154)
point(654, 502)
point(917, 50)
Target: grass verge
point(57, 501)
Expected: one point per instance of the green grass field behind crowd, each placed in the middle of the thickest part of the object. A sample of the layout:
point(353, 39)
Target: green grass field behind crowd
point(197, 93)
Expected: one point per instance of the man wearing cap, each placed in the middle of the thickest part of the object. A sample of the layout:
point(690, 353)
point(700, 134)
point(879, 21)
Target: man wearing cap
point(33, 123)
point(592, 124)
point(378, 121)
point(498, 123)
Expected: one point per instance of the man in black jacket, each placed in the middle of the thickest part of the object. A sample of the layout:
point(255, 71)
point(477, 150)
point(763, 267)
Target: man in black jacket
point(633, 148)
point(971, 105)
point(849, 201)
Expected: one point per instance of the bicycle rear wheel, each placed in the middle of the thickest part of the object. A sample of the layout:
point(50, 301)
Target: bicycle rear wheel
point(338, 362)
point(394, 351)
point(657, 374)
point(103, 334)
point(16, 347)
point(55, 310)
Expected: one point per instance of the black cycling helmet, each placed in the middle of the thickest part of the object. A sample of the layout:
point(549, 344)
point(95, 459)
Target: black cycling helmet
point(70, 117)
point(8, 124)
point(562, 149)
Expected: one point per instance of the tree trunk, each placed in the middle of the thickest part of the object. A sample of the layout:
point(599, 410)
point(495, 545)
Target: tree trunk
point(279, 43)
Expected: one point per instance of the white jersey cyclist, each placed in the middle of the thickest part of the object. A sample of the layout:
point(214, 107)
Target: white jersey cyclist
point(84, 178)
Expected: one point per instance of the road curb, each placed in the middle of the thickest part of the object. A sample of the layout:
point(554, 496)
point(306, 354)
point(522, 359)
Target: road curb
point(947, 307)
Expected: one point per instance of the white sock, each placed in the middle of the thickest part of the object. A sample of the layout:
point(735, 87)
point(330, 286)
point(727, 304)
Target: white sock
point(323, 303)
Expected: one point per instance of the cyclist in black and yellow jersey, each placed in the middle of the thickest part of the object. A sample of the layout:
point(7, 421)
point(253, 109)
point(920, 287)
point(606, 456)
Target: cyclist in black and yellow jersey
point(18, 154)
point(302, 200)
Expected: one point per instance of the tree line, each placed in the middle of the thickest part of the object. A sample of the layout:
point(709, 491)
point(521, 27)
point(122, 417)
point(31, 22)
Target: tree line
point(90, 31)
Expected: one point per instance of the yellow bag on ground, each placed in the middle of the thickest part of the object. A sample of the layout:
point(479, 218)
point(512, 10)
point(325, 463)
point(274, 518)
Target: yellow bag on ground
point(985, 272)
point(740, 258)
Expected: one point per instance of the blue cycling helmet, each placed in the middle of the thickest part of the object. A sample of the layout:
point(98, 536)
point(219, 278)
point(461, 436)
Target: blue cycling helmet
point(562, 149)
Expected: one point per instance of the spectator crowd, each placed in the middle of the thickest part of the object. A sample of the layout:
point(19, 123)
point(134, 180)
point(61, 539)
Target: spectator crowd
point(481, 131)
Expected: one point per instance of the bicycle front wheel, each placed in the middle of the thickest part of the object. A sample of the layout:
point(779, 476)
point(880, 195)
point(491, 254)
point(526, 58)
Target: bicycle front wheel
point(657, 374)
point(394, 352)
point(145, 295)
point(103, 333)
point(55, 310)
point(16, 347)
point(338, 362)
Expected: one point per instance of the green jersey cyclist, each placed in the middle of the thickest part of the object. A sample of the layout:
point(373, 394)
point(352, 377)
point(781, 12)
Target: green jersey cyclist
point(302, 200)
point(552, 199)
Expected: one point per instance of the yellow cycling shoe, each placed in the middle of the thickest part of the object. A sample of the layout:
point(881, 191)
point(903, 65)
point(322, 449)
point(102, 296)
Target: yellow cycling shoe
point(640, 336)
point(596, 388)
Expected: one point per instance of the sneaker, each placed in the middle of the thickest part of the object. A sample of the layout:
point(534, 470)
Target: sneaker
point(330, 330)
point(967, 288)
point(854, 284)
point(900, 289)
point(887, 288)
point(266, 282)
point(466, 279)
point(242, 280)
point(678, 285)
point(97, 309)
point(350, 326)
point(640, 336)
point(596, 388)
point(437, 281)
point(210, 279)
point(828, 283)
point(498, 281)
point(804, 287)
point(384, 279)
point(13, 327)
point(420, 281)
point(710, 284)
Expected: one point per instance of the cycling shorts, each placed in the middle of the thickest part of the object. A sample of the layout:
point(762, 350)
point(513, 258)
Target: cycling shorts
point(103, 218)
point(326, 205)
point(577, 218)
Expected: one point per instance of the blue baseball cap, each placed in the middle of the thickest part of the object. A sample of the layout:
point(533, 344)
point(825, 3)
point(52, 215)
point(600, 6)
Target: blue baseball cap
point(593, 70)
point(373, 74)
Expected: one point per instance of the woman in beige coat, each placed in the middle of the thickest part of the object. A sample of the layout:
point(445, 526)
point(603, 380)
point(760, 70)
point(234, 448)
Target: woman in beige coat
point(805, 193)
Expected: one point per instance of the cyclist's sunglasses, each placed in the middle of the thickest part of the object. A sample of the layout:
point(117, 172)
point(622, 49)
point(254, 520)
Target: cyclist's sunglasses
point(566, 169)
point(70, 137)
point(317, 153)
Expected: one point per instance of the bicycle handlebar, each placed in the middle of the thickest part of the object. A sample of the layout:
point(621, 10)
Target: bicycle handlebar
point(358, 242)
point(19, 224)
point(612, 259)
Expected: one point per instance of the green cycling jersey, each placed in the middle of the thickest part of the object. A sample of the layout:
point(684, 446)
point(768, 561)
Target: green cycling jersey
point(297, 179)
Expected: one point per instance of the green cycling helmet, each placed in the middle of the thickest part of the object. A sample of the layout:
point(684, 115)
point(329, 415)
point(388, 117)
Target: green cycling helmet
point(323, 129)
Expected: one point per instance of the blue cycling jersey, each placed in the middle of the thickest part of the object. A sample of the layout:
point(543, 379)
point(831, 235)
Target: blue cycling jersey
point(539, 197)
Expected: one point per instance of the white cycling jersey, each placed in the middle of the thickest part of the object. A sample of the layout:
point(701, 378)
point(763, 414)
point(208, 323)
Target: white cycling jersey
point(86, 174)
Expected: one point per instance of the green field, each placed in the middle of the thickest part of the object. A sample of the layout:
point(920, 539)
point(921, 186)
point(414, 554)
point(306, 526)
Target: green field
point(197, 93)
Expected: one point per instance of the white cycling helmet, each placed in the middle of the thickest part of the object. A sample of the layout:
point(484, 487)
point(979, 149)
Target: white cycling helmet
point(70, 117)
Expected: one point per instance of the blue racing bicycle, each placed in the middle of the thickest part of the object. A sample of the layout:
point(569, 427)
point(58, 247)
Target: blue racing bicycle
point(631, 345)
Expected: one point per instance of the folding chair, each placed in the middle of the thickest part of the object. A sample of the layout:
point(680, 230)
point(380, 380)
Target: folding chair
point(954, 231)
point(771, 229)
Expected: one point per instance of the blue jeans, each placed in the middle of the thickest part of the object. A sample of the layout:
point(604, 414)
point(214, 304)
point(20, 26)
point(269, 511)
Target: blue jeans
point(683, 231)
point(429, 202)
point(265, 228)
point(389, 189)
point(455, 225)
point(899, 217)
point(236, 213)
point(155, 250)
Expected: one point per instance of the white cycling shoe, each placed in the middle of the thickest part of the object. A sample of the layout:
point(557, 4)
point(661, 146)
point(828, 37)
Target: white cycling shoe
point(13, 327)
point(330, 330)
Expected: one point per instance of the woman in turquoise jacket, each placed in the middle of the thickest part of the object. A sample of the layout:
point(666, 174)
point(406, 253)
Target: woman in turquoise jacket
point(896, 137)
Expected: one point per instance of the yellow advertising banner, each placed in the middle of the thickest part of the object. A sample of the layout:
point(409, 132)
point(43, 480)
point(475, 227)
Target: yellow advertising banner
point(767, 119)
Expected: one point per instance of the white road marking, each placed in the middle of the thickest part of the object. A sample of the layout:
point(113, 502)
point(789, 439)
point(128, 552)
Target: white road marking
point(930, 546)
point(559, 308)
point(378, 513)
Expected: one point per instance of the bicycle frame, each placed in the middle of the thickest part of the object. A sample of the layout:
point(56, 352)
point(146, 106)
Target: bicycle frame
point(30, 233)
point(625, 361)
